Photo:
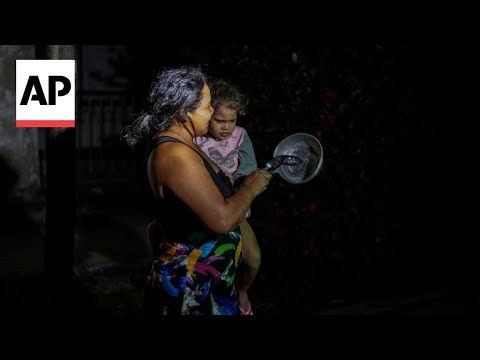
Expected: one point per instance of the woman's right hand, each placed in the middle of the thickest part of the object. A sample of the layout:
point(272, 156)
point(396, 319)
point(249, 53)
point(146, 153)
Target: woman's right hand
point(257, 181)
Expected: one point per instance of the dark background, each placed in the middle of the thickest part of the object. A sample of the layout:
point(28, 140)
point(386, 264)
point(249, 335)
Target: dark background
point(387, 226)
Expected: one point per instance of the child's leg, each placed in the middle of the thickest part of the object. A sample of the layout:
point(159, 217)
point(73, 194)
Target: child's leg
point(251, 257)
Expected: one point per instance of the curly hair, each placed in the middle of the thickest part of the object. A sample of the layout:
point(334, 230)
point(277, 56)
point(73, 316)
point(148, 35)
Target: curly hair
point(225, 94)
point(174, 93)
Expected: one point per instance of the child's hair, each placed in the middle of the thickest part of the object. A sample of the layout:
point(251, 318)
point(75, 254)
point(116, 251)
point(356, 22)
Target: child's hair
point(227, 95)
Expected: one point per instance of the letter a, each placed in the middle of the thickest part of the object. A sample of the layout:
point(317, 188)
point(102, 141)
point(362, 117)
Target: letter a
point(32, 82)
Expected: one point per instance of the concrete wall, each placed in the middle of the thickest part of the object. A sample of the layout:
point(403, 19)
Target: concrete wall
point(18, 146)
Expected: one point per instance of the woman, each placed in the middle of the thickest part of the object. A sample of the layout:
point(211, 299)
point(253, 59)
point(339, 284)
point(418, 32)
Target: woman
point(197, 256)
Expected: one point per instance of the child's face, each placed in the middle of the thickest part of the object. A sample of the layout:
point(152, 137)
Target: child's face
point(222, 123)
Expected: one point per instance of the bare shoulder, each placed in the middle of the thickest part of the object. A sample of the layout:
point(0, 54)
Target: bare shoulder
point(171, 158)
point(173, 151)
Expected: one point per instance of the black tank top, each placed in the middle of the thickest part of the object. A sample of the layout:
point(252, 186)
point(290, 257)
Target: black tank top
point(177, 219)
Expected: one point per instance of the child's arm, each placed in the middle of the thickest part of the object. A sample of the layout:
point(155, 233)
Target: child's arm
point(246, 158)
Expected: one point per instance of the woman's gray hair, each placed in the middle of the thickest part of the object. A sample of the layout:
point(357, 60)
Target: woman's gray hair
point(174, 93)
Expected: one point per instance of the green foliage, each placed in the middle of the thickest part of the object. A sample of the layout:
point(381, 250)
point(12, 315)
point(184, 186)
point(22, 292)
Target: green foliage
point(334, 93)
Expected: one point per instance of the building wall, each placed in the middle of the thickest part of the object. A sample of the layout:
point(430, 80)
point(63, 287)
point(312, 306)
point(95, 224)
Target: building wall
point(18, 146)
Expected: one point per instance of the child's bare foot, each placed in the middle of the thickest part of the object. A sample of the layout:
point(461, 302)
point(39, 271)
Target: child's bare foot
point(244, 305)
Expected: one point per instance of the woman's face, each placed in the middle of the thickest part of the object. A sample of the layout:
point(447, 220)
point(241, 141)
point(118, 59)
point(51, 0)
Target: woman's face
point(201, 116)
point(223, 122)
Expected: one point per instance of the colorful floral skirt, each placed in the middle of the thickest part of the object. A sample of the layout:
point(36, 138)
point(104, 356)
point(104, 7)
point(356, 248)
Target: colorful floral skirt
point(195, 279)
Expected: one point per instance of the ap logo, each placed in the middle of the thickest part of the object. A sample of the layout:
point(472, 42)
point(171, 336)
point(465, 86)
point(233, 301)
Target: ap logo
point(45, 93)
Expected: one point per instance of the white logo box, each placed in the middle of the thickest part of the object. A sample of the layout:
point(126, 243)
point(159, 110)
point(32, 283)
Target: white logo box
point(42, 77)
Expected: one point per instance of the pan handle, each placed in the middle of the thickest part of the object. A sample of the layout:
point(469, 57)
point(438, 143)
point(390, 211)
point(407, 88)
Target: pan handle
point(276, 162)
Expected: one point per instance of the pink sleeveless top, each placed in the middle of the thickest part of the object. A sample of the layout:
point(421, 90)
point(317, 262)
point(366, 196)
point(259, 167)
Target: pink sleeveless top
point(224, 153)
